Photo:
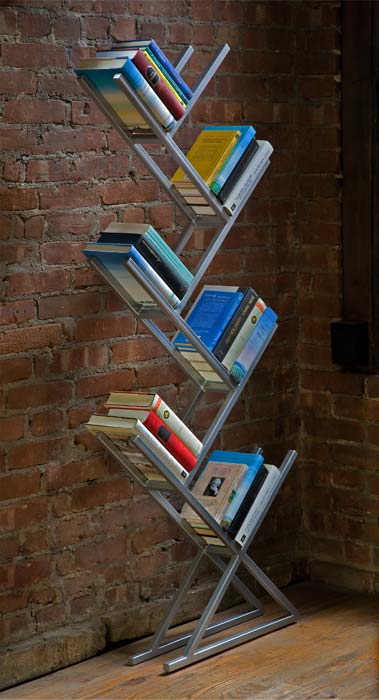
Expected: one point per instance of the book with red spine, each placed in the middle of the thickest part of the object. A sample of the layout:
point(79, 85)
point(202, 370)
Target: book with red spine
point(172, 443)
point(155, 81)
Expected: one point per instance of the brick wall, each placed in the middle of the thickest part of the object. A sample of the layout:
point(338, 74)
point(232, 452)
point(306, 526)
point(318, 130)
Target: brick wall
point(85, 556)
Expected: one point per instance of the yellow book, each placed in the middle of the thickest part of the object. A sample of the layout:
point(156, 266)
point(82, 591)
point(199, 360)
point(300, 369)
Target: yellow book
point(161, 75)
point(207, 155)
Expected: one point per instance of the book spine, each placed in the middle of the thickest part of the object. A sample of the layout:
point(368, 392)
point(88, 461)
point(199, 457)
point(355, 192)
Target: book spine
point(232, 161)
point(170, 256)
point(258, 507)
point(237, 171)
point(114, 265)
point(172, 443)
point(244, 334)
point(154, 277)
point(147, 94)
point(173, 421)
point(157, 260)
point(235, 324)
point(247, 502)
point(167, 75)
point(183, 101)
point(245, 185)
point(243, 488)
point(160, 451)
point(155, 81)
point(170, 69)
point(257, 341)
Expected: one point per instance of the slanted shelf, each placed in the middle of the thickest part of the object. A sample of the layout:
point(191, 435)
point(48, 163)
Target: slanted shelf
point(162, 479)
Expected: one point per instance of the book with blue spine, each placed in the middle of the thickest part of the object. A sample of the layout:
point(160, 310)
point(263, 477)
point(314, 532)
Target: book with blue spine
point(256, 343)
point(247, 135)
point(162, 58)
point(101, 74)
point(254, 462)
point(114, 262)
point(209, 315)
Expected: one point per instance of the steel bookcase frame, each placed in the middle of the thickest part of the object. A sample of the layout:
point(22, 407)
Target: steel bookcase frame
point(158, 488)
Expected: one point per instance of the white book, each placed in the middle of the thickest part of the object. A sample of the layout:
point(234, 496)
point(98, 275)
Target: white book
point(259, 504)
point(244, 334)
point(249, 177)
point(160, 451)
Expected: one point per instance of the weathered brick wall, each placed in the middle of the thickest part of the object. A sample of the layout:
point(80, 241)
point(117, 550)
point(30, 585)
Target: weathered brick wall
point(82, 550)
point(340, 410)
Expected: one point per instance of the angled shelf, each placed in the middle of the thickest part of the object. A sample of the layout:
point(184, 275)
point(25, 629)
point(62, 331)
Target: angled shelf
point(225, 554)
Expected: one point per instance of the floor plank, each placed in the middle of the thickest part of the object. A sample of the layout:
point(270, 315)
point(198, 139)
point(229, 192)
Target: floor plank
point(331, 653)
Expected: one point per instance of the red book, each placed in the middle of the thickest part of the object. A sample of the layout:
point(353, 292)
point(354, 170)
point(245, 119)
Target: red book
point(172, 443)
point(159, 86)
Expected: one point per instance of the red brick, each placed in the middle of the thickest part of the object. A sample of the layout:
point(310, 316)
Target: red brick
point(68, 532)
point(15, 486)
point(108, 327)
point(124, 192)
point(96, 27)
point(17, 199)
point(34, 111)
point(74, 473)
point(101, 384)
point(160, 374)
point(34, 25)
point(17, 82)
point(72, 141)
point(17, 312)
point(123, 28)
point(17, 139)
point(87, 113)
point(73, 359)
point(12, 428)
point(80, 304)
point(67, 29)
point(68, 196)
point(8, 21)
point(24, 515)
point(79, 415)
point(34, 56)
point(136, 350)
point(62, 253)
point(15, 370)
point(36, 453)
point(11, 602)
point(98, 494)
point(45, 423)
point(25, 339)
point(40, 282)
point(47, 393)
point(25, 574)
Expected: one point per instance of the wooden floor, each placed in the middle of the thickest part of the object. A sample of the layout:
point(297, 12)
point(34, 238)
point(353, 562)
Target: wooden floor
point(331, 653)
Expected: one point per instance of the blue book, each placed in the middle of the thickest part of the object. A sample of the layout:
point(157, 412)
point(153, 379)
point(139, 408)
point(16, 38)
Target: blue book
point(114, 262)
point(255, 344)
point(254, 462)
point(210, 314)
point(247, 135)
point(162, 58)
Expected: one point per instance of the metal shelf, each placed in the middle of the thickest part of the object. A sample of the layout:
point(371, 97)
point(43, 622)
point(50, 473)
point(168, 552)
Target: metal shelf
point(166, 480)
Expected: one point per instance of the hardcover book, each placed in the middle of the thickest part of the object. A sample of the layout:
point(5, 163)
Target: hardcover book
point(255, 344)
point(236, 323)
point(247, 136)
point(249, 178)
point(248, 327)
point(207, 154)
point(248, 500)
point(214, 489)
point(230, 182)
point(259, 504)
point(120, 402)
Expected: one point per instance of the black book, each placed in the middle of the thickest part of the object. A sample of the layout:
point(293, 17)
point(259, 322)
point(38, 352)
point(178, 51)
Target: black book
point(248, 501)
point(237, 171)
point(235, 324)
point(156, 261)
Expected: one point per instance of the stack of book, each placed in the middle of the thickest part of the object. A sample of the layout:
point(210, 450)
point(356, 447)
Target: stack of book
point(234, 324)
point(230, 161)
point(235, 488)
point(148, 72)
point(147, 416)
point(142, 244)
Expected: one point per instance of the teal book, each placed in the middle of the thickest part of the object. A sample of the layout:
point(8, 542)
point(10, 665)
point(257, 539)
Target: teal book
point(210, 314)
point(255, 344)
point(247, 135)
point(101, 72)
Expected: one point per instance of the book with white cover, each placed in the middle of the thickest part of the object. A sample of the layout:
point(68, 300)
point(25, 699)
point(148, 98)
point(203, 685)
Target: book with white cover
point(250, 176)
point(259, 504)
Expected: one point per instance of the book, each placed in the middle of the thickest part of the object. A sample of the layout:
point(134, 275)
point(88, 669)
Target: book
point(246, 137)
point(259, 505)
point(249, 325)
point(153, 75)
point(255, 345)
point(127, 428)
point(207, 154)
point(171, 441)
point(237, 171)
point(152, 46)
point(209, 315)
point(144, 402)
point(236, 323)
point(101, 73)
point(214, 489)
point(252, 492)
point(247, 183)
point(154, 249)
point(113, 258)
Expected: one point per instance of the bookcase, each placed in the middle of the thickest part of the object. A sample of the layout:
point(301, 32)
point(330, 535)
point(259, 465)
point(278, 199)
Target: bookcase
point(227, 556)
